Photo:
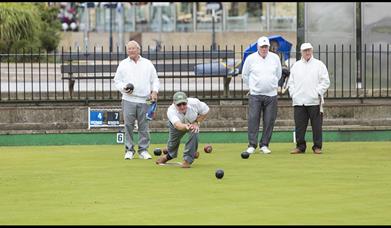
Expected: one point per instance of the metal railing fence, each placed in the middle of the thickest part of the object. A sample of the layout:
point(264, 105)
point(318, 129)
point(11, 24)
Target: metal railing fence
point(72, 75)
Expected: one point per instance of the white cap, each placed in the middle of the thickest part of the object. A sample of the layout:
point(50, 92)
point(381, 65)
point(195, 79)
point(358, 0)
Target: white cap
point(263, 41)
point(305, 46)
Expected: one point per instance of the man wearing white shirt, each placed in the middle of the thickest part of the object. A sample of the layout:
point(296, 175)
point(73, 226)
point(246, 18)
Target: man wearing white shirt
point(184, 116)
point(261, 73)
point(308, 81)
point(142, 74)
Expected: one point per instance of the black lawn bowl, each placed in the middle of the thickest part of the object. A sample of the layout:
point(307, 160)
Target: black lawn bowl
point(245, 154)
point(219, 173)
point(157, 152)
point(129, 86)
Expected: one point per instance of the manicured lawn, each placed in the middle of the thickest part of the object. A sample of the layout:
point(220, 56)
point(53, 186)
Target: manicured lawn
point(349, 184)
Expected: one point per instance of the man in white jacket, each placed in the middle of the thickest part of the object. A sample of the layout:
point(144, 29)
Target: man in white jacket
point(261, 72)
point(308, 81)
point(142, 74)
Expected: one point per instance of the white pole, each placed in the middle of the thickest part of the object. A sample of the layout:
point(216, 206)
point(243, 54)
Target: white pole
point(120, 22)
point(86, 27)
point(294, 135)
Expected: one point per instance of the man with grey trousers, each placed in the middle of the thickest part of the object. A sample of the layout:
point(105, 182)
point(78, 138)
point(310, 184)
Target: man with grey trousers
point(261, 73)
point(142, 74)
point(184, 116)
point(308, 81)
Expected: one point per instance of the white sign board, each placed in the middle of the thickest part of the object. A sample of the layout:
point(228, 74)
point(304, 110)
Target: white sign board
point(160, 4)
point(213, 6)
point(120, 138)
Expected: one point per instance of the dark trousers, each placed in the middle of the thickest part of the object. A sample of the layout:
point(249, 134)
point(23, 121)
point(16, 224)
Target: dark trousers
point(302, 114)
point(267, 107)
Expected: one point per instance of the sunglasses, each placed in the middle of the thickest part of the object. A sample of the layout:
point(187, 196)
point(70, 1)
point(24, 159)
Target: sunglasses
point(180, 104)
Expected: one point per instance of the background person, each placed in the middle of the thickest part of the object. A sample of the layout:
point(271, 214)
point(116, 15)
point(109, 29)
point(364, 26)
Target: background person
point(142, 74)
point(308, 81)
point(261, 73)
point(184, 116)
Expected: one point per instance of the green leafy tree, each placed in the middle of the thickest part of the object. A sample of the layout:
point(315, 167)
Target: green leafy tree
point(50, 30)
point(18, 21)
point(29, 26)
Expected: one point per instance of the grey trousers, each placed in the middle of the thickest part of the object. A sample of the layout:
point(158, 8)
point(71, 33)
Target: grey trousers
point(132, 112)
point(174, 140)
point(267, 106)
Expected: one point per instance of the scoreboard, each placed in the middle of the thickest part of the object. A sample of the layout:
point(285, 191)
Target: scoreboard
point(104, 117)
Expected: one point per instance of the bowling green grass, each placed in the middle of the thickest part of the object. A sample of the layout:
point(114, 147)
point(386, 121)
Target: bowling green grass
point(349, 184)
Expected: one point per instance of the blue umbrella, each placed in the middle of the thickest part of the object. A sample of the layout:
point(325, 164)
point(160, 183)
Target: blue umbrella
point(284, 47)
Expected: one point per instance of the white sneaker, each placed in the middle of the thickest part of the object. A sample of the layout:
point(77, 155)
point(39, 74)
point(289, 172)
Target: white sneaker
point(250, 150)
point(128, 155)
point(145, 155)
point(265, 150)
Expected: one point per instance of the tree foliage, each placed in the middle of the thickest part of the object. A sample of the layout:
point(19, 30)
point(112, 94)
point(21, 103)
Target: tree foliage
point(28, 26)
point(17, 22)
point(51, 27)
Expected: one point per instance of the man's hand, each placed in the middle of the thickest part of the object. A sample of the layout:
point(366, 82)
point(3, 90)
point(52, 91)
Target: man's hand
point(279, 92)
point(129, 88)
point(154, 96)
point(128, 91)
point(194, 128)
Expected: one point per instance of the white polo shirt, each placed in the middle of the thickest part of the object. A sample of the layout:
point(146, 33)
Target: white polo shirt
point(141, 74)
point(261, 75)
point(195, 107)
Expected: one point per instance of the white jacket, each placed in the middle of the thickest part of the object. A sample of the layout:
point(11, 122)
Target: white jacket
point(261, 75)
point(141, 74)
point(308, 81)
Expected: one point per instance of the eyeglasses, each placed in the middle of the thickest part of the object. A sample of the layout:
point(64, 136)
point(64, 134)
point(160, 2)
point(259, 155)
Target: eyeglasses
point(180, 104)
